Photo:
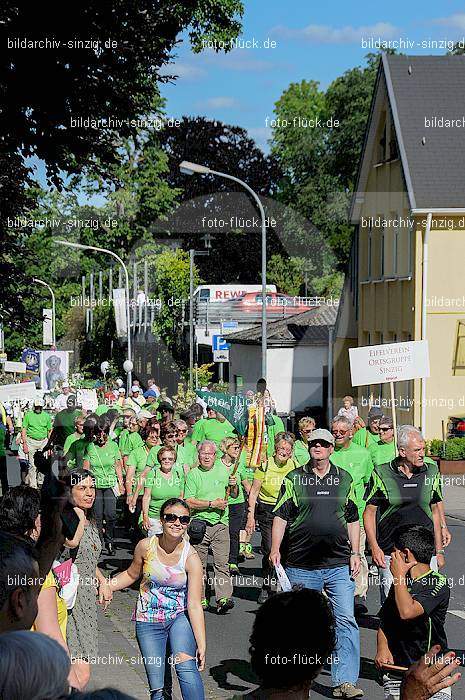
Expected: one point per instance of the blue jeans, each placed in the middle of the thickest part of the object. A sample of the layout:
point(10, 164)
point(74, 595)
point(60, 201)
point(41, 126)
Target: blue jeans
point(152, 638)
point(339, 587)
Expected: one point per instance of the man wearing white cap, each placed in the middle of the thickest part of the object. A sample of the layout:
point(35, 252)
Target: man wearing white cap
point(61, 400)
point(136, 395)
point(37, 426)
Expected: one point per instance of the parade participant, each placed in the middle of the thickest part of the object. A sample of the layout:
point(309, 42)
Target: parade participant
point(103, 458)
point(301, 453)
point(63, 425)
point(143, 418)
point(348, 409)
point(294, 643)
point(262, 500)
point(205, 492)
point(214, 427)
point(384, 449)
point(406, 491)
point(165, 413)
point(75, 450)
point(36, 429)
point(129, 439)
point(20, 583)
point(136, 395)
point(3, 464)
point(237, 509)
point(190, 418)
point(186, 454)
point(136, 473)
point(357, 461)
point(82, 630)
point(414, 613)
point(61, 400)
point(78, 433)
point(169, 603)
point(317, 504)
point(368, 436)
point(161, 483)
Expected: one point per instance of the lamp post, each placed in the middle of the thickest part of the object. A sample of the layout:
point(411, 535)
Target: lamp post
point(189, 169)
point(44, 284)
point(128, 362)
point(192, 254)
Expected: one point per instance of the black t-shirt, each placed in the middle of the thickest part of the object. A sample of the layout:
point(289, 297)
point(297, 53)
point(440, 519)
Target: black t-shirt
point(317, 511)
point(408, 640)
point(402, 501)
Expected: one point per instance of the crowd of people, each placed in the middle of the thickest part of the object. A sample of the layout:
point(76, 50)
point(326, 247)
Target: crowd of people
point(183, 488)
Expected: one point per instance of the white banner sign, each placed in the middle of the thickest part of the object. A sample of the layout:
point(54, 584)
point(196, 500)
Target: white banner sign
point(393, 362)
point(119, 304)
point(87, 399)
point(18, 392)
point(47, 327)
point(14, 366)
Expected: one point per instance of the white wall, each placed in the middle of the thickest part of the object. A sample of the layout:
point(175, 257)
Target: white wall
point(295, 375)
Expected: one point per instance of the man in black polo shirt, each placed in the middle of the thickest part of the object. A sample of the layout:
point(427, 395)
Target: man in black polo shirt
point(406, 491)
point(316, 506)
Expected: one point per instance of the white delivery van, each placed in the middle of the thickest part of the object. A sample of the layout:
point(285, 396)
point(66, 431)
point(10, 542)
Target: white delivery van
point(227, 292)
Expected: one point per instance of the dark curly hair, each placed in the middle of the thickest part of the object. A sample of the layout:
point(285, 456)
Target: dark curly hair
point(283, 652)
point(19, 509)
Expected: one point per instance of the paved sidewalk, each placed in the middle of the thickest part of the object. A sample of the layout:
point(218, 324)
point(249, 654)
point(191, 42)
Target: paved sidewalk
point(454, 495)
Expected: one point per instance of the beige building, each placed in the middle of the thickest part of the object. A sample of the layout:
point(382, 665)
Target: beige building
point(406, 276)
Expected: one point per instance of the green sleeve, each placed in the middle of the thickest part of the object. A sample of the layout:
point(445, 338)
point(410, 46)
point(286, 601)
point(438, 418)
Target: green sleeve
point(190, 488)
point(49, 422)
point(26, 420)
point(132, 458)
point(198, 432)
point(116, 452)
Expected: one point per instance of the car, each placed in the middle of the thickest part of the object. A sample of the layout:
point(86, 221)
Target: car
point(276, 303)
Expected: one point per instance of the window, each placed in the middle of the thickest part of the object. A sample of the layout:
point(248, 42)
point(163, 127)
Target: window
point(458, 365)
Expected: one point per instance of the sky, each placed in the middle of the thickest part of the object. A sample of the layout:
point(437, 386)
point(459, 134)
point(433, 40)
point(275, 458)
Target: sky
point(313, 41)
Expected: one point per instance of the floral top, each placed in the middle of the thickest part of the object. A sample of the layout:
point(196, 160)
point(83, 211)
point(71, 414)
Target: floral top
point(163, 589)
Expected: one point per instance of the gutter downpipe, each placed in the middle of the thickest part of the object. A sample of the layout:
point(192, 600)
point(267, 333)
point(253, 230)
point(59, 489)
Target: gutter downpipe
point(423, 315)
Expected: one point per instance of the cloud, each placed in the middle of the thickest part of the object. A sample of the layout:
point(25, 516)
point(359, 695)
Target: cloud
point(261, 135)
point(455, 21)
point(219, 103)
point(183, 70)
point(238, 60)
point(323, 34)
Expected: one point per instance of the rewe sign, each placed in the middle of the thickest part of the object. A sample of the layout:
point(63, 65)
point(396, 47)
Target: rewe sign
point(393, 362)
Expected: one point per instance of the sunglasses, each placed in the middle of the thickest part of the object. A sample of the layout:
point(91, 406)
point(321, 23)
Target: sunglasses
point(320, 443)
point(172, 518)
point(384, 430)
point(181, 432)
point(339, 432)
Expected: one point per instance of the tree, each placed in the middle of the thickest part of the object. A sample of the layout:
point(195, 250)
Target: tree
point(285, 273)
point(72, 102)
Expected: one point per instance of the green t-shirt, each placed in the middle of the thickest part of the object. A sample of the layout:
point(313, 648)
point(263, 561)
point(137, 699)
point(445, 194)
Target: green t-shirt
point(102, 463)
point(357, 461)
point(212, 429)
point(75, 453)
point(152, 460)
point(64, 424)
point(186, 454)
point(163, 488)
point(138, 459)
point(129, 441)
point(382, 452)
point(37, 425)
point(208, 485)
point(301, 453)
point(70, 439)
point(272, 431)
point(364, 438)
point(240, 498)
point(101, 409)
point(2, 441)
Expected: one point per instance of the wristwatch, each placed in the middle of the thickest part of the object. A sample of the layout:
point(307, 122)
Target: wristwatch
point(209, 504)
point(355, 554)
point(441, 551)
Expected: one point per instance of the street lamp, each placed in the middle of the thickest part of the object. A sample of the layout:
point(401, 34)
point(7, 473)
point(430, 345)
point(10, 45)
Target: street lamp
point(126, 277)
point(189, 169)
point(44, 284)
point(192, 254)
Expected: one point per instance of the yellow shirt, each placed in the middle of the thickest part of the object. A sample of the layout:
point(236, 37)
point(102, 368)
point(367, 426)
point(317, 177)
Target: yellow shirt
point(272, 478)
point(50, 582)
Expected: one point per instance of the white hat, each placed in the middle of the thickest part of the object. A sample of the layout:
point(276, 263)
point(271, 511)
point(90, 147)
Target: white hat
point(65, 385)
point(38, 402)
point(121, 390)
point(144, 414)
point(135, 388)
point(119, 382)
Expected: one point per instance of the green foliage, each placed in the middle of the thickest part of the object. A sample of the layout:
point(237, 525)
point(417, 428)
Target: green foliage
point(183, 398)
point(285, 273)
point(203, 374)
point(454, 448)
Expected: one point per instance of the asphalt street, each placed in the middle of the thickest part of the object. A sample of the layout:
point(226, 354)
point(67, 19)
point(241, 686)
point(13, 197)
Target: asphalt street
point(228, 671)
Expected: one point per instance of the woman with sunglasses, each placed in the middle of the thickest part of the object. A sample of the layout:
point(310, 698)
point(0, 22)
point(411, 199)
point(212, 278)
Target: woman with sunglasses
point(136, 473)
point(230, 447)
point(168, 606)
point(186, 454)
point(103, 459)
point(130, 440)
point(161, 483)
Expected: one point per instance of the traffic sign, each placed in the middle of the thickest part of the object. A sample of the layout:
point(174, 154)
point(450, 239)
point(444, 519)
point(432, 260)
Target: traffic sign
point(219, 343)
point(229, 326)
point(220, 355)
